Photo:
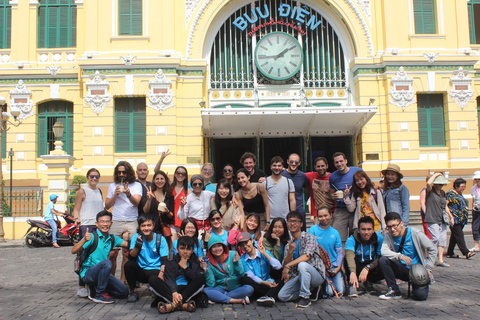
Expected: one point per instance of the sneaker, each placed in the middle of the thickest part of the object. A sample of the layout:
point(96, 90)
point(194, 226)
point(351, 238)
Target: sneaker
point(246, 301)
point(369, 287)
point(266, 301)
point(90, 292)
point(133, 296)
point(304, 303)
point(353, 292)
point(82, 292)
point(103, 298)
point(315, 293)
point(391, 294)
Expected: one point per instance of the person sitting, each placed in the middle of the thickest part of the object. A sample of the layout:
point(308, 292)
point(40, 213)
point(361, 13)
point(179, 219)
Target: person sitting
point(329, 239)
point(182, 281)
point(216, 222)
point(188, 228)
point(224, 273)
point(96, 268)
point(150, 251)
point(362, 252)
point(257, 264)
point(403, 247)
point(251, 225)
point(276, 238)
point(303, 267)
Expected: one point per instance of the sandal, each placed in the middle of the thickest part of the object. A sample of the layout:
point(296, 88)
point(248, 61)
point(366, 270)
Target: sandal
point(470, 254)
point(165, 307)
point(442, 264)
point(453, 256)
point(475, 249)
point(189, 306)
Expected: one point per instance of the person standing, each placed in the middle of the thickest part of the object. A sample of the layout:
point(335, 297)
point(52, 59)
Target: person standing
point(142, 174)
point(280, 191)
point(248, 161)
point(476, 211)
point(395, 195)
point(207, 174)
point(340, 180)
point(458, 206)
point(88, 202)
point(124, 196)
point(423, 208)
point(48, 216)
point(319, 187)
point(197, 204)
point(300, 182)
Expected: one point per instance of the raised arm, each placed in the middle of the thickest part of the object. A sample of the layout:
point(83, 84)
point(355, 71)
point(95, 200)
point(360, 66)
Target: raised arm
point(160, 161)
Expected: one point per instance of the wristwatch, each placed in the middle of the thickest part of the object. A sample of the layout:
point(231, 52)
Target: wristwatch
point(367, 267)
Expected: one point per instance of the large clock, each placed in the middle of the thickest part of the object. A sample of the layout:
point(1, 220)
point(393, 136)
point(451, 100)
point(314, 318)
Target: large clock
point(278, 56)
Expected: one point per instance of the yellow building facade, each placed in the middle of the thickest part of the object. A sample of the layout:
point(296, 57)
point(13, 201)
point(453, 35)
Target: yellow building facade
point(382, 81)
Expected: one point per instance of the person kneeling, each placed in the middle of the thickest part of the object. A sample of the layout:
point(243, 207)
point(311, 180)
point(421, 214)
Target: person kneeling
point(401, 249)
point(183, 280)
point(362, 251)
point(257, 263)
point(150, 251)
point(224, 273)
point(95, 270)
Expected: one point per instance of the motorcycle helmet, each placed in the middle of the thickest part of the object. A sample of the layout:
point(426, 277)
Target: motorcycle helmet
point(53, 196)
point(419, 275)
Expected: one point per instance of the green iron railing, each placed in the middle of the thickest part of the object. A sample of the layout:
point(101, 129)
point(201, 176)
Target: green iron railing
point(23, 203)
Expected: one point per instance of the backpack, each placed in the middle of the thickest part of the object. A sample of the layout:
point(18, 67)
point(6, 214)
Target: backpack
point(82, 256)
point(325, 257)
point(158, 242)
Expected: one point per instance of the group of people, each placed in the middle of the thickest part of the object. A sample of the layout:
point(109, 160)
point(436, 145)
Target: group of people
point(194, 242)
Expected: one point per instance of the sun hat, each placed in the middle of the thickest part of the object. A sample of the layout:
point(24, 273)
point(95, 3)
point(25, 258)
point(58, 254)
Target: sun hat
point(440, 180)
point(394, 168)
point(476, 175)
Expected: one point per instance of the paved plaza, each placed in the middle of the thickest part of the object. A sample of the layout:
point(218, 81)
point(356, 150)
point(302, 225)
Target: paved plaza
point(40, 284)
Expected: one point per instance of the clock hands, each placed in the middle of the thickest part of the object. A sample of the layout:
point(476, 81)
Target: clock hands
point(277, 56)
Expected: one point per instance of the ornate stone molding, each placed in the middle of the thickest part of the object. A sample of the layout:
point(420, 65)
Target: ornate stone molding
point(128, 59)
point(160, 96)
point(190, 6)
point(431, 56)
point(20, 99)
point(461, 91)
point(402, 92)
point(194, 27)
point(366, 8)
point(54, 70)
point(364, 26)
point(98, 96)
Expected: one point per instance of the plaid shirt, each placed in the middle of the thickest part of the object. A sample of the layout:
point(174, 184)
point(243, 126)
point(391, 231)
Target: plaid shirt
point(309, 246)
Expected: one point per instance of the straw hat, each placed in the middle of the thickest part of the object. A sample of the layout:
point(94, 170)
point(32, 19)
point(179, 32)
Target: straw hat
point(394, 168)
point(440, 180)
point(476, 175)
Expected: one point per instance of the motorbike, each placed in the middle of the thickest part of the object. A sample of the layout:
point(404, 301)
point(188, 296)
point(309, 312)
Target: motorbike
point(40, 233)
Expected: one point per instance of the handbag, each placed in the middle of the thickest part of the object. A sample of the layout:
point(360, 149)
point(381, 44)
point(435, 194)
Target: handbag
point(446, 218)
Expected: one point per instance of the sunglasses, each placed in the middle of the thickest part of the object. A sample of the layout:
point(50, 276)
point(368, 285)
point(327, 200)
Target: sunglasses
point(197, 184)
point(122, 172)
point(215, 219)
point(294, 161)
point(94, 176)
point(181, 173)
point(208, 170)
point(227, 170)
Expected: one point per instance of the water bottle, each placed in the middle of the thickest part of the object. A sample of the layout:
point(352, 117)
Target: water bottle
point(205, 260)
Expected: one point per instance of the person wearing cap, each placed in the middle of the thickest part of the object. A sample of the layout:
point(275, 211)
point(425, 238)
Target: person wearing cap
point(395, 195)
point(197, 203)
point(436, 204)
point(476, 211)
point(257, 264)
point(48, 216)
point(224, 275)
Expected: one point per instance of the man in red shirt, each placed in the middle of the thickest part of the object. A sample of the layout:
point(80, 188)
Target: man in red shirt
point(319, 187)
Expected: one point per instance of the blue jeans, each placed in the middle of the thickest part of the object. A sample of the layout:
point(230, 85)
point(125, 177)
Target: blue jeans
point(100, 277)
point(217, 294)
point(53, 225)
point(299, 286)
point(337, 282)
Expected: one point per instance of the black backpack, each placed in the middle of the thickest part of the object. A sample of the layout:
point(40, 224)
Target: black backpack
point(82, 256)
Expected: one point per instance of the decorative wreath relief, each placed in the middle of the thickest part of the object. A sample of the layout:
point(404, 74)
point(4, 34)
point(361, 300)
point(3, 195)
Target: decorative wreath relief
point(98, 96)
point(401, 91)
point(20, 99)
point(160, 96)
point(461, 91)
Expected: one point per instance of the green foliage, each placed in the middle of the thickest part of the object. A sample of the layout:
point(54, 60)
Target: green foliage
point(78, 180)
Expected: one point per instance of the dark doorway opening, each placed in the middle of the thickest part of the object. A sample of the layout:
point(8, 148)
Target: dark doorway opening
point(225, 151)
point(327, 146)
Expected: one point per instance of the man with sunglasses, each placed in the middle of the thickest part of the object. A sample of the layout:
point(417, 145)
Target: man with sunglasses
point(300, 182)
point(401, 249)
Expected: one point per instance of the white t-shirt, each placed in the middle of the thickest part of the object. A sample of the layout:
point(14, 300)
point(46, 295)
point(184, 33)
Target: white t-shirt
point(123, 209)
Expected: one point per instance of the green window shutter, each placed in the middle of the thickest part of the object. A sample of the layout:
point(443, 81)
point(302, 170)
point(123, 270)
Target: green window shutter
point(122, 125)
point(130, 17)
point(41, 27)
point(424, 16)
point(139, 132)
point(5, 24)
point(130, 125)
point(423, 128)
point(42, 135)
point(69, 135)
point(431, 120)
point(57, 24)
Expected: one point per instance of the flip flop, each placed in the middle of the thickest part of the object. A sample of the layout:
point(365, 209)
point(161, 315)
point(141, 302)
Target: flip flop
point(475, 249)
point(443, 264)
point(470, 254)
point(453, 256)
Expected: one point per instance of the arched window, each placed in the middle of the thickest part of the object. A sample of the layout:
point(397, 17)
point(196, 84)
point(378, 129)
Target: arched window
point(48, 114)
point(57, 24)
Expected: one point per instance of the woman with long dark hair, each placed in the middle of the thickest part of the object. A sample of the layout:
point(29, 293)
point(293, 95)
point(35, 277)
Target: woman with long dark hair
point(276, 238)
point(223, 203)
point(366, 200)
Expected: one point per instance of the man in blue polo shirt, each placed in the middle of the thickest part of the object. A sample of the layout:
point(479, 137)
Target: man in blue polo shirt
point(339, 181)
point(95, 270)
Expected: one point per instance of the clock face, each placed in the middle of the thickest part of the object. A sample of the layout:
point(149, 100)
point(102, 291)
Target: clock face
point(278, 56)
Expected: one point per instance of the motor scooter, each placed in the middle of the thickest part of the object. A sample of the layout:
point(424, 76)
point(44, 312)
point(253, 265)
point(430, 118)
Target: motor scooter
point(40, 233)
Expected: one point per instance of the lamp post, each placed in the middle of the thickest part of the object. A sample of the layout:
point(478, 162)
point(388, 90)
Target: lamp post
point(58, 129)
point(14, 112)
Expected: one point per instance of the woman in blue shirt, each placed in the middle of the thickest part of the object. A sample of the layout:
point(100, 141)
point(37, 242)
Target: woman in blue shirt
point(395, 195)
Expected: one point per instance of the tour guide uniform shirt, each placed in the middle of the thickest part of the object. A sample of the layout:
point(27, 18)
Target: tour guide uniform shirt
point(148, 258)
point(408, 248)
